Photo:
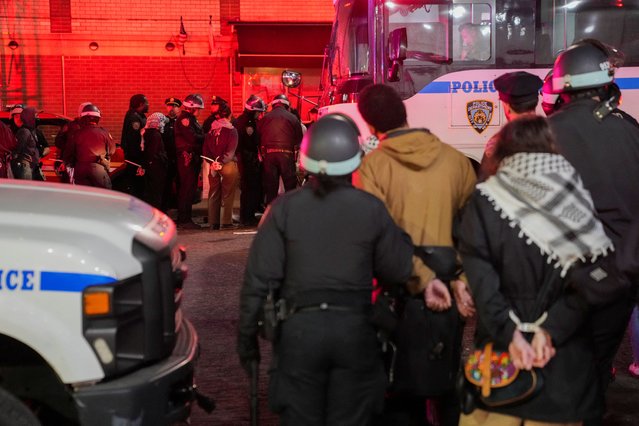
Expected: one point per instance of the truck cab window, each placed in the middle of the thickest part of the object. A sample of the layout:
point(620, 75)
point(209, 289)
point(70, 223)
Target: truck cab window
point(472, 40)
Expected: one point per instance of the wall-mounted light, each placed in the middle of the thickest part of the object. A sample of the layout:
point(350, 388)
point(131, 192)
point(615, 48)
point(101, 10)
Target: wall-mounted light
point(13, 45)
point(94, 45)
point(169, 46)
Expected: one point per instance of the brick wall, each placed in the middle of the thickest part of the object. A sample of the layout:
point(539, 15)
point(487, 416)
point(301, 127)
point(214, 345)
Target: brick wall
point(131, 57)
point(109, 82)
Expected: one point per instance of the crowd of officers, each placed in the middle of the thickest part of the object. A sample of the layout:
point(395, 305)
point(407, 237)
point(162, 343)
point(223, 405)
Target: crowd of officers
point(165, 153)
point(535, 236)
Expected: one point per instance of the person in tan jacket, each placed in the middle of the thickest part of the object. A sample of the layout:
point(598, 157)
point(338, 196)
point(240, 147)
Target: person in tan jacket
point(424, 183)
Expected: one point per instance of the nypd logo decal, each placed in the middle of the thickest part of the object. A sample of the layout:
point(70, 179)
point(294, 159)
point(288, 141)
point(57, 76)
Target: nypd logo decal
point(479, 114)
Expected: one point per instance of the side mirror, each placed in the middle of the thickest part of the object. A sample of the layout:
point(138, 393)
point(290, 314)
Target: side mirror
point(397, 42)
point(291, 79)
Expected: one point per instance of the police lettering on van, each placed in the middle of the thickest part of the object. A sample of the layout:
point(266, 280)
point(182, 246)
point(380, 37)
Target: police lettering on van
point(442, 57)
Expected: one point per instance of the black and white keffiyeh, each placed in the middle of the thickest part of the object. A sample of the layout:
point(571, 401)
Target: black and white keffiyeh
point(542, 194)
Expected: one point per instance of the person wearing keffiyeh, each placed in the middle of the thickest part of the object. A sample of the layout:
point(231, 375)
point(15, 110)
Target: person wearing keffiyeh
point(154, 159)
point(220, 144)
point(521, 232)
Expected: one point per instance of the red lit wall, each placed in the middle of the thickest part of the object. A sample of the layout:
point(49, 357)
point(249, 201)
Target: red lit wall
point(54, 69)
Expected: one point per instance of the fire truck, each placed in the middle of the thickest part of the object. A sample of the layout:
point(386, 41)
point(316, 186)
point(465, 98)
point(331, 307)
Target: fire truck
point(443, 56)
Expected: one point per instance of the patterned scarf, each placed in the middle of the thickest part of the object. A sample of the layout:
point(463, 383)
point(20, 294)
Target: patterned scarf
point(543, 195)
point(157, 120)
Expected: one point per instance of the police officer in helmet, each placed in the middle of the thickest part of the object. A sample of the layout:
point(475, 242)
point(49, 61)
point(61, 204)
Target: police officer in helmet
point(319, 248)
point(280, 135)
point(89, 150)
point(189, 138)
point(251, 196)
point(604, 149)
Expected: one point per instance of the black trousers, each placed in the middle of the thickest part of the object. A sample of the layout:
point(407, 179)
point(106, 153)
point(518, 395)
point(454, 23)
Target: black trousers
point(609, 325)
point(188, 174)
point(91, 174)
point(155, 178)
point(327, 370)
point(169, 197)
point(276, 165)
point(251, 196)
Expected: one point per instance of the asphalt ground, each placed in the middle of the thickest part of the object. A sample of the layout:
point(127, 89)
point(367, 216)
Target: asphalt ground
point(216, 261)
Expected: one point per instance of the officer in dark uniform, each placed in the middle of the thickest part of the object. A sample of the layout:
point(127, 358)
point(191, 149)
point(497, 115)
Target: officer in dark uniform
point(216, 104)
point(89, 150)
point(134, 122)
point(251, 196)
point(320, 248)
point(280, 135)
point(189, 138)
point(63, 136)
point(519, 95)
point(604, 149)
point(172, 112)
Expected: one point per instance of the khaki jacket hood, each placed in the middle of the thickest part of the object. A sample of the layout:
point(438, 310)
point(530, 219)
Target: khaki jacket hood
point(413, 148)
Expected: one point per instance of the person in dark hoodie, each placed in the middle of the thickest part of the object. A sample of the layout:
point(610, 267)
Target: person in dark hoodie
point(154, 159)
point(134, 122)
point(220, 144)
point(26, 157)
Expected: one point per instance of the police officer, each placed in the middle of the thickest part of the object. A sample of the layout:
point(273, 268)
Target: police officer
point(216, 103)
point(189, 138)
point(280, 135)
point(251, 196)
point(172, 111)
point(321, 247)
point(63, 136)
point(89, 150)
point(604, 149)
point(519, 95)
point(134, 122)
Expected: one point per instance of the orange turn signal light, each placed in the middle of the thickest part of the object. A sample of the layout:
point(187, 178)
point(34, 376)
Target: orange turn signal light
point(97, 303)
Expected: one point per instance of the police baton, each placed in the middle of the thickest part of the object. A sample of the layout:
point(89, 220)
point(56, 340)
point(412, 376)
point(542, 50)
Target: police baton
point(255, 414)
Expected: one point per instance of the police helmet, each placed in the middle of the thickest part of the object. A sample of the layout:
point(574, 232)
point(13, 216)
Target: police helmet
point(90, 110)
point(255, 103)
point(331, 146)
point(280, 99)
point(581, 66)
point(549, 99)
point(81, 108)
point(16, 109)
point(193, 101)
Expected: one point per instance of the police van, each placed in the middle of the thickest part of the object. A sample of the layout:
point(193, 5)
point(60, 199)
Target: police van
point(443, 56)
point(91, 330)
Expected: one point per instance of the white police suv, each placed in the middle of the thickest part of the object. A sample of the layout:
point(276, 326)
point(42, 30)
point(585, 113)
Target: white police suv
point(91, 331)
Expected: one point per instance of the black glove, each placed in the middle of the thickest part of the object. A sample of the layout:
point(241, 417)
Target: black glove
point(248, 350)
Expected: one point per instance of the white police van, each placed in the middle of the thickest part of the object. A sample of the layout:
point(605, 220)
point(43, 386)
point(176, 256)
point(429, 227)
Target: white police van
point(91, 331)
point(442, 56)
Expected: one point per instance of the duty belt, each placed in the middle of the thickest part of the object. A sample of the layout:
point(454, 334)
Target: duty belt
point(359, 309)
point(285, 151)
